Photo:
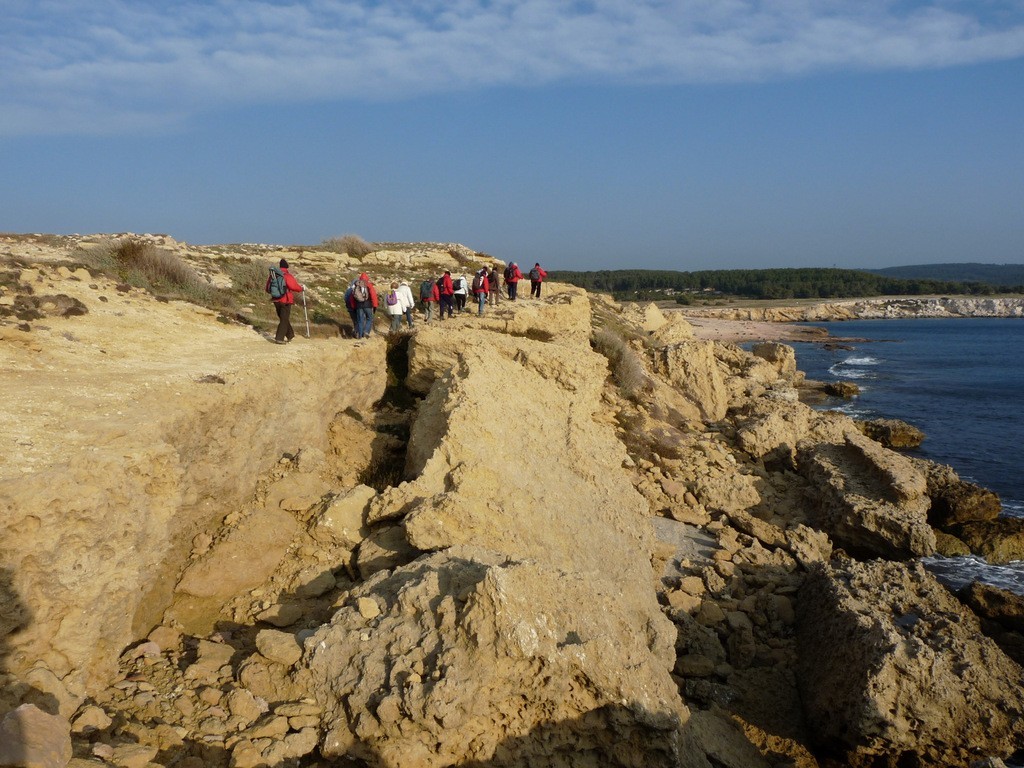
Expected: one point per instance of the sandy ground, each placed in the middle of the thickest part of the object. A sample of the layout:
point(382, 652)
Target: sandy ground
point(738, 331)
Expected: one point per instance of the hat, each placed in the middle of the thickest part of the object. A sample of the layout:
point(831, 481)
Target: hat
point(447, 271)
point(283, 264)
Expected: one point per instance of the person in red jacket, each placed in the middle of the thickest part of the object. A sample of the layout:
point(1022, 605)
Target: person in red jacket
point(512, 278)
point(447, 291)
point(481, 288)
point(537, 275)
point(283, 305)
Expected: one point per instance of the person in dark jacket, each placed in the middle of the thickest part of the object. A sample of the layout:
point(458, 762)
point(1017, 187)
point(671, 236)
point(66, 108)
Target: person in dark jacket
point(512, 278)
point(537, 275)
point(364, 296)
point(283, 305)
point(429, 296)
point(494, 281)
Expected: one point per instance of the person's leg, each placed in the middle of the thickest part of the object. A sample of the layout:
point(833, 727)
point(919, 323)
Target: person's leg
point(289, 334)
point(428, 311)
point(282, 321)
point(513, 289)
point(396, 323)
point(408, 316)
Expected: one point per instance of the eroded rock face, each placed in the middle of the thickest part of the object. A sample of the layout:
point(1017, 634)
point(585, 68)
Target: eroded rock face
point(497, 661)
point(690, 366)
point(533, 629)
point(892, 664)
point(869, 499)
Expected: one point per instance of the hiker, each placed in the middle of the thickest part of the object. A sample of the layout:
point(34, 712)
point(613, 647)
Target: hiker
point(460, 290)
point(394, 307)
point(494, 281)
point(350, 305)
point(281, 285)
point(512, 278)
point(537, 275)
point(364, 296)
point(480, 289)
point(408, 302)
point(429, 295)
point(447, 291)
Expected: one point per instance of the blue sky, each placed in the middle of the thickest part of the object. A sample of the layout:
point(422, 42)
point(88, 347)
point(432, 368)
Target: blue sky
point(587, 135)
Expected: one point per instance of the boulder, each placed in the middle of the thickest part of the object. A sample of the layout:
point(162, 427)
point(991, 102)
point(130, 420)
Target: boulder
point(31, 738)
point(995, 604)
point(890, 663)
point(998, 541)
point(956, 501)
point(870, 500)
point(781, 356)
point(691, 368)
point(893, 433)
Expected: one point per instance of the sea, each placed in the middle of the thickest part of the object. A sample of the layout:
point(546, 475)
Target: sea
point(961, 381)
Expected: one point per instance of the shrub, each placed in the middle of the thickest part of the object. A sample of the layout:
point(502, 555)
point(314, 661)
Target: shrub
point(353, 245)
point(248, 276)
point(626, 366)
point(158, 271)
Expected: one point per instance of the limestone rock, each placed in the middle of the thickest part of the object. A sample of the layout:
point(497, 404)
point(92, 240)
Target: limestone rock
point(518, 654)
point(781, 356)
point(281, 647)
point(691, 368)
point(891, 664)
point(870, 500)
point(344, 518)
point(956, 501)
point(998, 541)
point(893, 433)
point(995, 604)
point(30, 738)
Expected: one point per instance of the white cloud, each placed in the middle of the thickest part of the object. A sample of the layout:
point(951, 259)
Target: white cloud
point(116, 65)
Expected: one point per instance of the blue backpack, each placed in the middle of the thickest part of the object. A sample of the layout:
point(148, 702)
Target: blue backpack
point(277, 287)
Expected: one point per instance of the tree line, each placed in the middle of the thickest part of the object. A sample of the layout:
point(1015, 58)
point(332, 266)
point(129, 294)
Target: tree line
point(794, 283)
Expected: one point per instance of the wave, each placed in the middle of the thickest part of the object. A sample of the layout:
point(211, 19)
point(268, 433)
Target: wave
point(851, 373)
point(860, 361)
point(1013, 508)
point(958, 572)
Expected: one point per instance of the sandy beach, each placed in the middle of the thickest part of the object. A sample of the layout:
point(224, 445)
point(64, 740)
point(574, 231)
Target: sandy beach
point(738, 331)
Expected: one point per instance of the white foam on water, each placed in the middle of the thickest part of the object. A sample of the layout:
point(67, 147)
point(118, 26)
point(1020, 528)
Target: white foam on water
point(958, 572)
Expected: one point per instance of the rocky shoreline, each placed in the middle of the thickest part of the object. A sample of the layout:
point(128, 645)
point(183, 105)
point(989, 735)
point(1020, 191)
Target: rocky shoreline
point(885, 308)
point(568, 533)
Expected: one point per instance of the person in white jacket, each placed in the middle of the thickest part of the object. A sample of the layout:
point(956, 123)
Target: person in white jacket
point(408, 301)
point(461, 292)
point(394, 307)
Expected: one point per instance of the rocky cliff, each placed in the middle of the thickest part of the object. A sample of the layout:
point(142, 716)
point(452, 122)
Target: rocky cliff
point(565, 533)
point(873, 309)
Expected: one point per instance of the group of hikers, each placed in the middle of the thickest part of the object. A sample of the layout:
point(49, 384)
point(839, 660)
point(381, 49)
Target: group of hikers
point(447, 293)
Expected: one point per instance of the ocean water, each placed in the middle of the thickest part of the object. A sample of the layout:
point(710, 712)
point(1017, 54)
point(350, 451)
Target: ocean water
point(961, 381)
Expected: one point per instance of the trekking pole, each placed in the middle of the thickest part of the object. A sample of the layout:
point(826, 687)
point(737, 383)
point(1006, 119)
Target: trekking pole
point(305, 313)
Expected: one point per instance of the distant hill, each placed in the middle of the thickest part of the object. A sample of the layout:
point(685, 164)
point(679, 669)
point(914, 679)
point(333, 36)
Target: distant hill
point(991, 274)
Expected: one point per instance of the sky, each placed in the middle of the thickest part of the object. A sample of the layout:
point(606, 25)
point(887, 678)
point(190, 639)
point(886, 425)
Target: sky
point(590, 134)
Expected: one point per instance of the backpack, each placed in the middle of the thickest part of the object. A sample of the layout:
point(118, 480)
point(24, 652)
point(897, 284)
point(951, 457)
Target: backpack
point(458, 284)
point(535, 274)
point(427, 290)
point(277, 287)
point(392, 298)
point(478, 283)
point(360, 291)
point(508, 273)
